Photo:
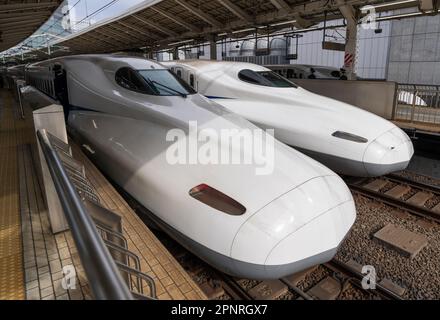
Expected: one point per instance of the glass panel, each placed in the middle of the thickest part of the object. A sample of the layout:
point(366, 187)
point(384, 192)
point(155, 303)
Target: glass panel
point(128, 79)
point(165, 83)
point(265, 78)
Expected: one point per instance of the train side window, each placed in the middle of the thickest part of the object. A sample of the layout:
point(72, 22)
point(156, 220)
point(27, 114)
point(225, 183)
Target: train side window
point(123, 79)
point(179, 73)
point(191, 80)
point(251, 77)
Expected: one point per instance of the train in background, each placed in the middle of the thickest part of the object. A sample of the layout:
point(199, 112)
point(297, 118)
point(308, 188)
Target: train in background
point(121, 110)
point(10, 75)
point(305, 71)
point(347, 139)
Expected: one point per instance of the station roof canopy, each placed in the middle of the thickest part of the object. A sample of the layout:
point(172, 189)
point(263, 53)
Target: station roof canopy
point(164, 24)
point(19, 19)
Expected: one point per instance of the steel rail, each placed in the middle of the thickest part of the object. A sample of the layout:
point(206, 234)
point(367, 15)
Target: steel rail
point(297, 290)
point(232, 288)
point(104, 277)
point(413, 183)
point(337, 265)
point(396, 203)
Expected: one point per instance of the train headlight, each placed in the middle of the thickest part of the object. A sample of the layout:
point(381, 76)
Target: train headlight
point(217, 200)
point(349, 136)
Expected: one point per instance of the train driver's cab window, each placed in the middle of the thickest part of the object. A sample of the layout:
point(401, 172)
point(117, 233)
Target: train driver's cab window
point(165, 83)
point(265, 78)
point(158, 82)
point(130, 80)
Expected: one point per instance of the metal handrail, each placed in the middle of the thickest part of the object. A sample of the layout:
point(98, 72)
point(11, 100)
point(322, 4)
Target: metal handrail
point(104, 277)
point(20, 101)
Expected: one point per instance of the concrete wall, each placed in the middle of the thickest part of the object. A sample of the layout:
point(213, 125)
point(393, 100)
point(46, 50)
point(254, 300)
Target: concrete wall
point(415, 51)
point(375, 96)
point(372, 53)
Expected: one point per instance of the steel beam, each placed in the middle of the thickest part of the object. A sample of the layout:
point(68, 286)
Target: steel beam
point(236, 10)
point(280, 4)
point(154, 25)
point(199, 13)
point(176, 20)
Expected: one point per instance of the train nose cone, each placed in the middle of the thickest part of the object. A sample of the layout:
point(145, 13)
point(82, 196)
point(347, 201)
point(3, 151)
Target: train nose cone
point(390, 152)
point(314, 243)
point(300, 228)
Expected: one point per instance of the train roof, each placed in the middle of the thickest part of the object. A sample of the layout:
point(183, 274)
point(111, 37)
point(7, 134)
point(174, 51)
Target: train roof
point(301, 66)
point(16, 67)
point(207, 65)
point(110, 61)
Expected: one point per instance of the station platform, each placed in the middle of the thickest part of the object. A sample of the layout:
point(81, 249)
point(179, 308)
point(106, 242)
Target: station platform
point(31, 257)
point(426, 127)
point(426, 140)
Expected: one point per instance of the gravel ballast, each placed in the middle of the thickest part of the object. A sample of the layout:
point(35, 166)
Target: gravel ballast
point(420, 276)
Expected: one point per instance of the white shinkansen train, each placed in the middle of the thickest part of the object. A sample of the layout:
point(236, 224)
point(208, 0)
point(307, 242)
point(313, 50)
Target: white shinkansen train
point(247, 225)
point(347, 139)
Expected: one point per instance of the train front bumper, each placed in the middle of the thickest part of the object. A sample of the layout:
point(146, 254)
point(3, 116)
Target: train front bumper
point(390, 152)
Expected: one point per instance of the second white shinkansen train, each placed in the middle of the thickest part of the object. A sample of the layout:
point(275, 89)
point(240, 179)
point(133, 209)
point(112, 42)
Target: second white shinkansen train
point(347, 139)
point(262, 226)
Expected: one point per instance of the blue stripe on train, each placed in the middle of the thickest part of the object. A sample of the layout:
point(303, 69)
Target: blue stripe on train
point(215, 97)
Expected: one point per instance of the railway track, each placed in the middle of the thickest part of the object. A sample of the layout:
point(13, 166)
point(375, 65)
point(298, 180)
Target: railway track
point(338, 271)
point(415, 197)
point(355, 277)
point(218, 285)
point(392, 190)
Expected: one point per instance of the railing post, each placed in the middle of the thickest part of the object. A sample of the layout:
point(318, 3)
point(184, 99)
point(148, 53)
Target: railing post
point(104, 277)
point(396, 102)
point(413, 104)
point(436, 97)
point(20, 84)
point(51, 118)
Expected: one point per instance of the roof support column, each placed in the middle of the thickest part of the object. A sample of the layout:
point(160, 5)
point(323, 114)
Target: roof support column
point(213, 47)
point(175, 53)
point(351, 39)
point(149, 55)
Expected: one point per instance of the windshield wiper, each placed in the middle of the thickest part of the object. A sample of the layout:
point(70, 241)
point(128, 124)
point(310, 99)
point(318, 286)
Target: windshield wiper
point(183, 95)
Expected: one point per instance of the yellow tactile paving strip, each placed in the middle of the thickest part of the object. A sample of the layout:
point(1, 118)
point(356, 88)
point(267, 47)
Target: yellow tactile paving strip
point(172, 281)
point(11, 259)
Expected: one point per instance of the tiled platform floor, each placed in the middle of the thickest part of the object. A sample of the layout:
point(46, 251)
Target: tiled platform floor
point(31, 257)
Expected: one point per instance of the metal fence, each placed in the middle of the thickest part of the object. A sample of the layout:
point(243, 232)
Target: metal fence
point(418, 103)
